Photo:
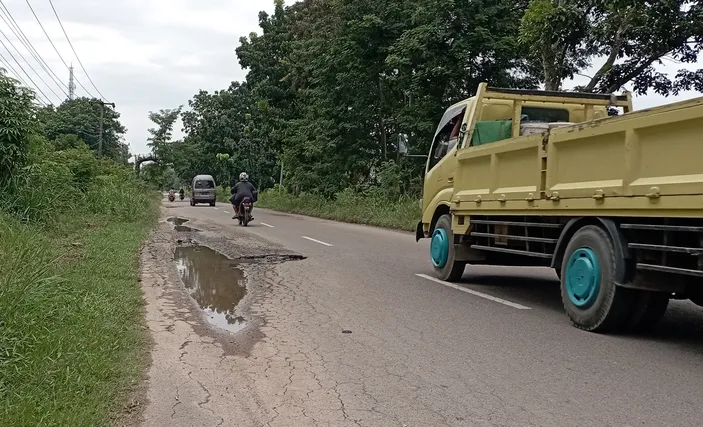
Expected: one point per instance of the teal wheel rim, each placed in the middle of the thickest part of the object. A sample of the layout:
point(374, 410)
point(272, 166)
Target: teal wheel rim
point(583, 278)
point(439, 248)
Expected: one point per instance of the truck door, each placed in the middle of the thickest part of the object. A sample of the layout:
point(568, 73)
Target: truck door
point(441, 164)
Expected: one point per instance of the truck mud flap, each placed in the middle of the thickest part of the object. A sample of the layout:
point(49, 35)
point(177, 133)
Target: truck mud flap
point(419, 232)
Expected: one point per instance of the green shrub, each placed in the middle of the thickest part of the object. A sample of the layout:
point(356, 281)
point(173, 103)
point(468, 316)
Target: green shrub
point(41, 192)
point(373, 208)
point(123, 198)
point(81, 162)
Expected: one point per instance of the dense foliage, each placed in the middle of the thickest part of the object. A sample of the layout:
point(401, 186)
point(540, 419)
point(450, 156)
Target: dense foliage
point(332, 84)
point(71, 222)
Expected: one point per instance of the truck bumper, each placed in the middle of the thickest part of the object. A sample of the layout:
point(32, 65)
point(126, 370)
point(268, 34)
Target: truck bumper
point(419, 232)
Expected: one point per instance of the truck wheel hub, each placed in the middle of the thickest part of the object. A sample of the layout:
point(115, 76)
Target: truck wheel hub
point(439, 248)
point(583, 278)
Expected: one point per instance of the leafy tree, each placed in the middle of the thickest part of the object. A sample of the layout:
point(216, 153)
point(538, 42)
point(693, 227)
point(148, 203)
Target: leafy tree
point(332, 84)
point(160, 139)
point(628, 38)
point(81, 117)
point(16, 124)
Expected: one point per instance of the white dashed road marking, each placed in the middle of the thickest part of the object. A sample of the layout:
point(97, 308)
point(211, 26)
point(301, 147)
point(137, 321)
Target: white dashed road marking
point(316, 241)
point(267, 225)
point(476, 293)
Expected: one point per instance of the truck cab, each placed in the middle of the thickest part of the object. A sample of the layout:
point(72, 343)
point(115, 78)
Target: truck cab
point(492, 120)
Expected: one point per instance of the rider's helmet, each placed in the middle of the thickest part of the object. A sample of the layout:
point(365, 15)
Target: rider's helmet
point(243, 176)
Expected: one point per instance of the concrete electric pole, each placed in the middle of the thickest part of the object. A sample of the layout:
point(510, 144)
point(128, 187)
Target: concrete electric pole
point(100, 134)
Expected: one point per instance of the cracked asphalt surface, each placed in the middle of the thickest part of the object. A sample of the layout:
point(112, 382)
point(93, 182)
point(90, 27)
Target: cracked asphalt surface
point(351, 336)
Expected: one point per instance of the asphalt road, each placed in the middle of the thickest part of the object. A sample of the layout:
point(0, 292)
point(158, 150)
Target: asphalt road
point(495, 349)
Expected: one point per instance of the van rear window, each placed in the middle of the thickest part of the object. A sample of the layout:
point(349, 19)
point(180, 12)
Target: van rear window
point(204, 184)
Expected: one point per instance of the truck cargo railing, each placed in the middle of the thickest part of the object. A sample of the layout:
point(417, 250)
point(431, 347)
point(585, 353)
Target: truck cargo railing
point(520, 96)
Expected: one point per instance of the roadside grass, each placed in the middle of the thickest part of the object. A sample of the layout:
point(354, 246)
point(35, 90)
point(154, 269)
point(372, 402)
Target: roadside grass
point(400, 213)
point(73, 344)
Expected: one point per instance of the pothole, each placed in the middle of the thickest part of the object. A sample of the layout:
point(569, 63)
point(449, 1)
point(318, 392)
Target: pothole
point(176, 220)
point(215, 282)
point(265, 259)
point(178, 225)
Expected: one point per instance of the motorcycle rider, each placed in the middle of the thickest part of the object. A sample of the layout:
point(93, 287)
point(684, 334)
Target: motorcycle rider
point(181, 193)
point(240, 190)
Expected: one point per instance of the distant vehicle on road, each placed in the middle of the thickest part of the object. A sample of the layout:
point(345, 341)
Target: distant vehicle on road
point(204, 190)
point(613, 204)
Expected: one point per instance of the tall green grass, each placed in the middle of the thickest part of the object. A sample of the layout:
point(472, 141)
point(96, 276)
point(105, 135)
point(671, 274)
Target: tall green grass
point(373, 208)
point(72, 340)
point(72, 344)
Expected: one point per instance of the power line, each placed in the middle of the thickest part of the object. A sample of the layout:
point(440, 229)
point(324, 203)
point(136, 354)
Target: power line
point(27, 63)
point(74, 50)
point(54, 46)
point(23, 70)
point(9, 66)
point(7, 17)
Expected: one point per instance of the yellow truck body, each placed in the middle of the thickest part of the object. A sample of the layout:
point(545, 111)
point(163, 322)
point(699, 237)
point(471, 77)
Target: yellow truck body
point(518, 174)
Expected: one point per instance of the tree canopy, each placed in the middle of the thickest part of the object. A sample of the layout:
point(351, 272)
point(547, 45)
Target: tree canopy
point(332, 84)
point(80, 119)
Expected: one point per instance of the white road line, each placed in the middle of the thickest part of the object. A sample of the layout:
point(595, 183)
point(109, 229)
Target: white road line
point(316, 241)
point(267, 225)
point(476, 293)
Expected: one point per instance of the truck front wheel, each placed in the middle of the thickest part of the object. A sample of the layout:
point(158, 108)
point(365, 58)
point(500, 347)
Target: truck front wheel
point(442, 251)
point(590, 296)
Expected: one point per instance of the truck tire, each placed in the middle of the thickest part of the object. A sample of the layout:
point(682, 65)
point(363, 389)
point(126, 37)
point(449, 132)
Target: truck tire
point(647, 310)
point(442, 251)
point(590, 296)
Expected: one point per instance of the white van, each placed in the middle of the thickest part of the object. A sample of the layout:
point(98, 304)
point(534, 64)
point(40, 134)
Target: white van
point(204, 190)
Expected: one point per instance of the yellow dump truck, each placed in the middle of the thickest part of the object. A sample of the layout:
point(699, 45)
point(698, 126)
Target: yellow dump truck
point(613, 203)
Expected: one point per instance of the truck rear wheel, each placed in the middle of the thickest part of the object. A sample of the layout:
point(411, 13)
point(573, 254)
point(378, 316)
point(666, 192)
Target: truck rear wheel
point(442, 251)
point(590, 296)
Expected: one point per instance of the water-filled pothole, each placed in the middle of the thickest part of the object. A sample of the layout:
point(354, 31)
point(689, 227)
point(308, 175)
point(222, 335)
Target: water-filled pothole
point(177, 221)
point(178, 225)
point(215, 282)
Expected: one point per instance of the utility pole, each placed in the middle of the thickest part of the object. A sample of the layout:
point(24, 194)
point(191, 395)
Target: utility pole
point(280, 180)
point(71, 84)
point(100, 134)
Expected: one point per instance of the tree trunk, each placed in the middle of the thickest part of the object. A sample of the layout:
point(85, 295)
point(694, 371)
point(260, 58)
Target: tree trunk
point(381, 121)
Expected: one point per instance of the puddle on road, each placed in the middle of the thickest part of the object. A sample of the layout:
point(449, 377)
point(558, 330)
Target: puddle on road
point(215, 282)
point(178, 225)
point(177, 221)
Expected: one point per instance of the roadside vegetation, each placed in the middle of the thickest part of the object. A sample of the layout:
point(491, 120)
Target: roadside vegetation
point(400, 213)
point(339, 92)
point(72, 341)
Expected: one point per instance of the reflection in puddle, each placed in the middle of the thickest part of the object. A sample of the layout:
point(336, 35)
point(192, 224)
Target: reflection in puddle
point(214, 282)
point(178, 225)
point(177, 221)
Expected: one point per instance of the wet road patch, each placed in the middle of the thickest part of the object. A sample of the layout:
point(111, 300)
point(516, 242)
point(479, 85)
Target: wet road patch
point(178, 225)
point(215, 282)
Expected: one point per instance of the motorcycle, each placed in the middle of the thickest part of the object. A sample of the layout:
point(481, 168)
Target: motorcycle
point(182, 196)
point(244, 212)
point(171, 196)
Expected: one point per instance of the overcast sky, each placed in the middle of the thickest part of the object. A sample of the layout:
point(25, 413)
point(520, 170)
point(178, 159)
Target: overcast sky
point(145, 55)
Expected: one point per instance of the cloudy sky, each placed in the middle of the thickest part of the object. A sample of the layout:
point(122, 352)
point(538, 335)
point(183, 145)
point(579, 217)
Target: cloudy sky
point(145, 55)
